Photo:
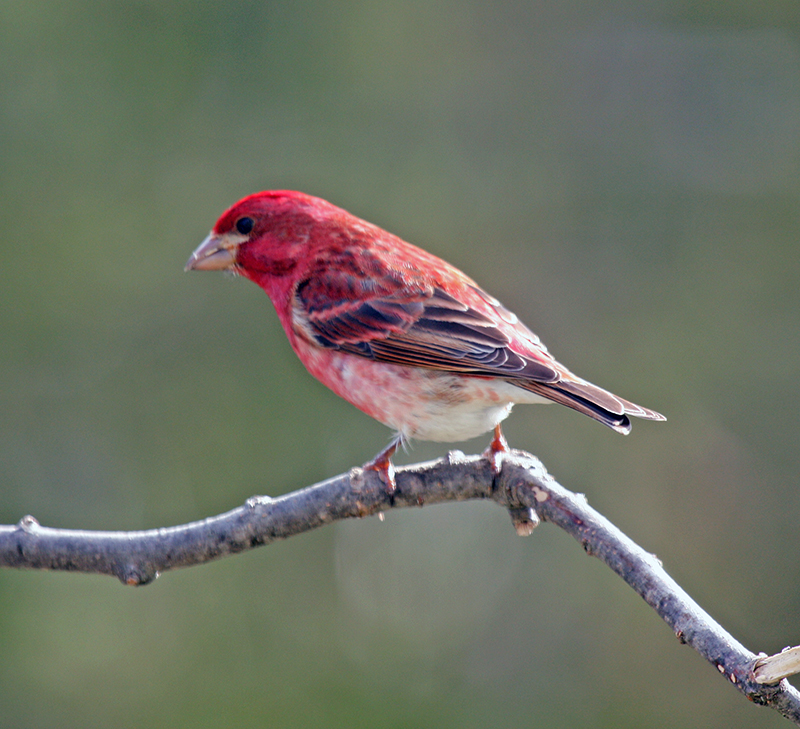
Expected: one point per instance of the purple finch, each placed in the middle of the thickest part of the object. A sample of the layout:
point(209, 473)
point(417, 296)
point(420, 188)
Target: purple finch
point(394, 330)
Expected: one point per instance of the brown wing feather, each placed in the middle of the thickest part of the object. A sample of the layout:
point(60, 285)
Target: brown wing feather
point(413, 324)
point(434, 331)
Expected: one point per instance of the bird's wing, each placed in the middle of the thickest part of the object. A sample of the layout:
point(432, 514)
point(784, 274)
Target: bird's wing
point(414, 322)
point(422, 325)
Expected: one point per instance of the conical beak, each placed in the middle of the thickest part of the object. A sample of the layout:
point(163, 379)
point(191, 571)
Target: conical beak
point(215, 253)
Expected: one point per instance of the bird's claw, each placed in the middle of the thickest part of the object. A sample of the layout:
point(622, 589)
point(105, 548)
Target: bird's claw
point(382, 464)
point(497, 450)
point(385, 471)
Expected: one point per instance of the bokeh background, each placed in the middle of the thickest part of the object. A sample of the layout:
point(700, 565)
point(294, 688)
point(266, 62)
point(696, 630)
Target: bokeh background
point(623, 175)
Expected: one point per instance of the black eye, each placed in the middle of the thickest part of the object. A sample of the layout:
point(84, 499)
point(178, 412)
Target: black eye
point(244, 225)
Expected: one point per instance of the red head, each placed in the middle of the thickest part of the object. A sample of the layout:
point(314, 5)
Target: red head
point(267, 237)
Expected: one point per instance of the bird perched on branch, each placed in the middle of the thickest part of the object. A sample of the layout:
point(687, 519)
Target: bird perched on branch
point(394, 330)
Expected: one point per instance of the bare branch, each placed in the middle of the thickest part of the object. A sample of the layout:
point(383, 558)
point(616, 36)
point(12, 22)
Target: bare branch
point(523, 487)
point(771, 669)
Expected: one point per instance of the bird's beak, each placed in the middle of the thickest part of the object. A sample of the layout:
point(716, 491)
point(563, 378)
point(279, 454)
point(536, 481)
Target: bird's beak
point(215, 253)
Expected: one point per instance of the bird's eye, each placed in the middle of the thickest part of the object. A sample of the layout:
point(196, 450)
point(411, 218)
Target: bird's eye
point(244, 225)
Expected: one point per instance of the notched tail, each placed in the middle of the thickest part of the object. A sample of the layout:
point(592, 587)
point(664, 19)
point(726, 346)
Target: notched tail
point(593, 401)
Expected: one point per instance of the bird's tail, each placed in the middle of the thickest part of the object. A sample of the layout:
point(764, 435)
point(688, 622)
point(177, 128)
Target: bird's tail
point(597, 403)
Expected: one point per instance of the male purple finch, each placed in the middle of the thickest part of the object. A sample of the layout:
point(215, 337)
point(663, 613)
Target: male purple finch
point(394, 330)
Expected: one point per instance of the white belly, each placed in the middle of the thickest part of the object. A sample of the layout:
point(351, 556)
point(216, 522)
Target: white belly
point(418, 403)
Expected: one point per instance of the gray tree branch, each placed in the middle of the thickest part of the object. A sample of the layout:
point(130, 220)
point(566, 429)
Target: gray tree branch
point(523, 487)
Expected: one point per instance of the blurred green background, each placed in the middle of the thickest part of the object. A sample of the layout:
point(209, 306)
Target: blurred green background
point(623, 175)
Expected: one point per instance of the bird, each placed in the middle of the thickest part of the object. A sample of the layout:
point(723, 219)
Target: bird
point(403, 335)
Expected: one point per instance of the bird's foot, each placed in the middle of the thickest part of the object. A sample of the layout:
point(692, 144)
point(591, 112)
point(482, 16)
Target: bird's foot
point(382, 463)
point(496, 450)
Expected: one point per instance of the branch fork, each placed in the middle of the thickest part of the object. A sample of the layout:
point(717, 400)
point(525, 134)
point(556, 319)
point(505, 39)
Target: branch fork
point(517, 481)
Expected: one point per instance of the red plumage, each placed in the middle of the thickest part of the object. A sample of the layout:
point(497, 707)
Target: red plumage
point(401, 334)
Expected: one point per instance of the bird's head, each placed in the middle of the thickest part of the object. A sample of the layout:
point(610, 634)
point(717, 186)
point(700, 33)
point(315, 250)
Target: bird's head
point(264, 236)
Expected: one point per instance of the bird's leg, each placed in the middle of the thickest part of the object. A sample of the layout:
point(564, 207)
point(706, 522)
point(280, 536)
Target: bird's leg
point(382, 463)
point(496, 450)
